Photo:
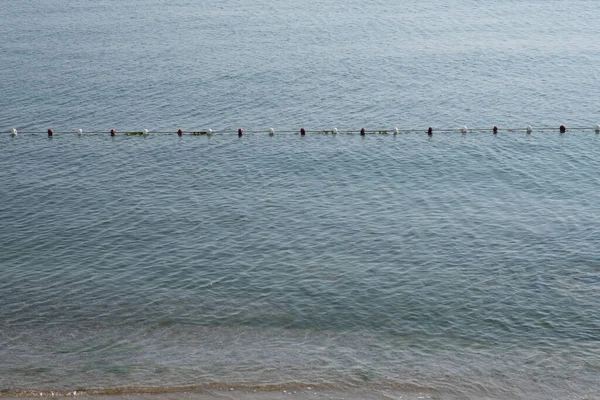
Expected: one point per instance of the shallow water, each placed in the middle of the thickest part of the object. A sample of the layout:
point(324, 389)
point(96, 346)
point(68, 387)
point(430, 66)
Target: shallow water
point(456, 266)
point(464, 264)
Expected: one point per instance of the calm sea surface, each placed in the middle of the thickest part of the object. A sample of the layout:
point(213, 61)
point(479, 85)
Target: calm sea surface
point(449, 267)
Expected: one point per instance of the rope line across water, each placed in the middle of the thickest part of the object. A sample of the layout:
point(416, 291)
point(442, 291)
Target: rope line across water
point(363, 131)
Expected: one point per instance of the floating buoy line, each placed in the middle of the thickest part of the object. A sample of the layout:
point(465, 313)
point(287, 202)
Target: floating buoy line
point(302, 131)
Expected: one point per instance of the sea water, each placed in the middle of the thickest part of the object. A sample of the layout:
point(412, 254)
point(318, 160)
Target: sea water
point(451, 266)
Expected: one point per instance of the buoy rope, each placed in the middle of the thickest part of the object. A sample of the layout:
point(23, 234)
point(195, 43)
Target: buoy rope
point(271, 131)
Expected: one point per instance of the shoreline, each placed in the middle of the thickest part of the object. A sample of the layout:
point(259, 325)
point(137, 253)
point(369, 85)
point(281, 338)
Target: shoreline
point(232, 391)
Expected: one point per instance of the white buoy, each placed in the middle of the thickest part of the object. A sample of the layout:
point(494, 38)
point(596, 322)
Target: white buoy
point(334, 131)
point(79, 132)
point(396, 131)
point(145, 131)
point(529, 129)
point(209, 131)
point(271, 131)
point(464, 129)
point(13, 132)
point(598, 128)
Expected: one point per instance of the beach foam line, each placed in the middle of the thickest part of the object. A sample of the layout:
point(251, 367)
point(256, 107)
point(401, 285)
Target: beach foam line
point(214, 387)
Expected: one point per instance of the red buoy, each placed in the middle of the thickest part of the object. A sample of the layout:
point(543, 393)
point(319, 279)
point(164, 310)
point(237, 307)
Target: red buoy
point(50, 133)
point(302, 132)
point(240, 132)
point(113, 132)
point(430, 131)
point(362, 132)
point(179, 132)
point(563, 129)
point(495, 130)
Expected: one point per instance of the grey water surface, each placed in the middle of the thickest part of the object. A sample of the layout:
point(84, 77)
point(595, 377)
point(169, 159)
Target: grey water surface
point(460, 266)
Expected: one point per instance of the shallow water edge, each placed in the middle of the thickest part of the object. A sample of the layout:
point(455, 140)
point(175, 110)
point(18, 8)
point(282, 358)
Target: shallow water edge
point(245, 392)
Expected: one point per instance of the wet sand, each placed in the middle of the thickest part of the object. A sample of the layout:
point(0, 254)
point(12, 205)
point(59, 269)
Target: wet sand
point(275, 392)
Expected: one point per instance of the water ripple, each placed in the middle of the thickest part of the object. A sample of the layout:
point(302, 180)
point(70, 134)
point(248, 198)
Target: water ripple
point(452, 244)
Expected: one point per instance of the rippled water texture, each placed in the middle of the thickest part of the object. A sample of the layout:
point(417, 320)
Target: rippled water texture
point(161, 64)
point(453, 263)
point(450, 267)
